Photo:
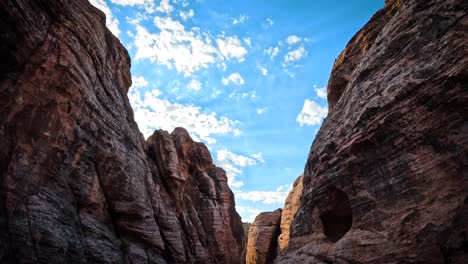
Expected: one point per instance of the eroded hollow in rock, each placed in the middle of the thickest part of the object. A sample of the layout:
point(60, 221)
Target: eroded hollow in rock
point(337, 216)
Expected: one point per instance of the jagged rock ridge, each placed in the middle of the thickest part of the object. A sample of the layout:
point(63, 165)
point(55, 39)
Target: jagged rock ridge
point(78, 182)
point(386, 180)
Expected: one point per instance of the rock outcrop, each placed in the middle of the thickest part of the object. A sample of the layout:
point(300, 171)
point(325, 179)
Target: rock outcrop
point(79, 184)
point(386, 180)
point(269, 233)
point(263, 233)
point(291, 205)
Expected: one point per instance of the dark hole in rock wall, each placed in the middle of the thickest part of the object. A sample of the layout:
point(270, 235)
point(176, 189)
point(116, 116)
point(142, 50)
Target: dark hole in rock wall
point(337, 216)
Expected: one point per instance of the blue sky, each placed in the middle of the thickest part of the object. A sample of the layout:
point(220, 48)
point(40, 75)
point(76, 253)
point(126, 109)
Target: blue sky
point(245, 77)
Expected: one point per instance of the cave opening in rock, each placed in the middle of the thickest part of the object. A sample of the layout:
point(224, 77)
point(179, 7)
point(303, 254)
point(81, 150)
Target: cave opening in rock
point(337, 217)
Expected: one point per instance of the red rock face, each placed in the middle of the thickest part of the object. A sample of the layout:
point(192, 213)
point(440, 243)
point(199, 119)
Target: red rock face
point(387, 176)
point(291, 205)
point(263, 233)
point(78, 182)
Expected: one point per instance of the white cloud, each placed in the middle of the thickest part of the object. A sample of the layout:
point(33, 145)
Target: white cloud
point(241, 19)
point(263, 70)
point(252, 94)
point(111, 22)
point(311, 114)
point(295, 55)
point(258, 156)
point(248, 41)
point(233, 164)
point(187, 14)
point(138, 82)
point(293, 39)
point(261, 110)
point(266, 197)
point(272, 52)
point(185, 50)
point(269, 22)
point(248, 213)
point(285, 188)
point(234, 78)
point(148, 5)
point(231, 48)
point(321, 92)
point(165, 7)
point(195, 85)
point(152, 112)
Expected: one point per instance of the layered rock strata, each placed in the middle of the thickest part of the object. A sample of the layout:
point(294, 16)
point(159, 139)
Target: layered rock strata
point(269, 233)
point(291, 205)
point(79, 184)
point(263, 233)
point(386, 180)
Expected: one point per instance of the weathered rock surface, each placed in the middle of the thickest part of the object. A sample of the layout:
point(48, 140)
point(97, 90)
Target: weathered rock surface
point(263, 233)
point(291, 205)
point(387, 176)
point(78, 182)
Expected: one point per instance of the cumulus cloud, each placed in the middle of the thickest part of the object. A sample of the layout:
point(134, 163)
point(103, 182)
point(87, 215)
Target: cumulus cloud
point(272, 52)
point(231, 48)
point(138, 82)
point(165, 7)
point(111, 22)
point(269, 22)
point(148, 5)
point(321, 92)
point(185, 50)
point(263, 70)
point(233, 164)
point(266, 197)
point(234, 78)
point(295, 55)
point(185, 15)
point(248, 213)
point(261, 110)
point(195, 85)
point(293, 39)
point(239, 20)
point(152, 112)
point(311, 114)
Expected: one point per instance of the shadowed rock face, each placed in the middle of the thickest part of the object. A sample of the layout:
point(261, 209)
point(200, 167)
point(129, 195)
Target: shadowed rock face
point(78, 182)
point(263, 233)
point(387, 176)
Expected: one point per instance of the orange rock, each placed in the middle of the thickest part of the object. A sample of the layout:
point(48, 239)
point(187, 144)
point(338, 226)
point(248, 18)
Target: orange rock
point(263, 233)
point(291, 206)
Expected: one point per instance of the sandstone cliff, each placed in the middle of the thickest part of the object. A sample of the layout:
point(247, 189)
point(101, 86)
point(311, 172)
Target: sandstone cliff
point(269, 233)
point(387, 176)
point(78, 182)
point(291, 205)
point(263, 232)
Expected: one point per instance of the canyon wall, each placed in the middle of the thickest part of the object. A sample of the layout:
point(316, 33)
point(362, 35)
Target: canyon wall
point(386, 179)
point(79, 184)
point(269, 233)
point(263, 233)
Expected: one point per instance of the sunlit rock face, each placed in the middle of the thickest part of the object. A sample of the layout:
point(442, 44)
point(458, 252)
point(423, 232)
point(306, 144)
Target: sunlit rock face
point(291, 205)
point(269, 233)
point(263, 233)
point(79, 184)
point(386, 180)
